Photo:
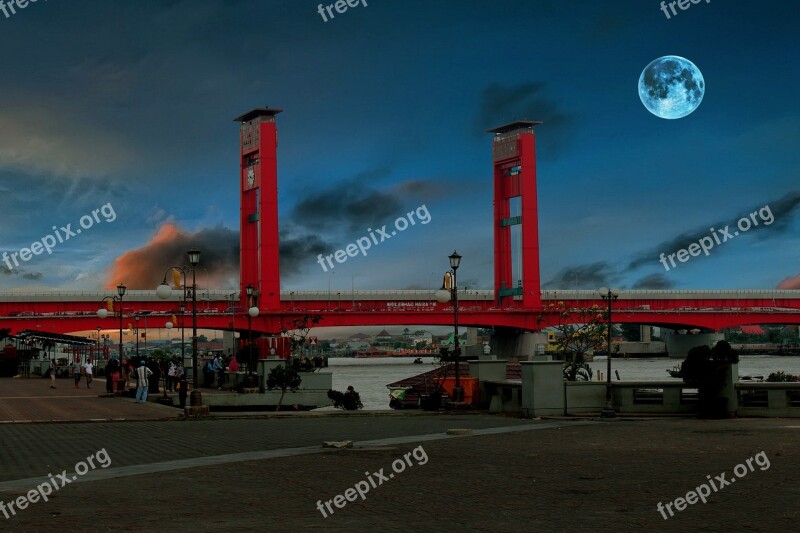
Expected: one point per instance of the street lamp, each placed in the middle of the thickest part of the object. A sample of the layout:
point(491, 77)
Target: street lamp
point(136, 319)
point(103, 313)
point(608, 295)
point(252, 312)
point(444, 295)
point(183, 336)
point(98, 341)
point(164, 291)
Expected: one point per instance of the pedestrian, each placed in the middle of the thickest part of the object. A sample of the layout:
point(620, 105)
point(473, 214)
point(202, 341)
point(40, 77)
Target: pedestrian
point(112, 369)
point(126, 373)
point(142, 376)
point(208, 374)
point(183, 388)
point(171, 376)
point(53, 369)
point(219, 371)
point(76, 373)
point(88, 367)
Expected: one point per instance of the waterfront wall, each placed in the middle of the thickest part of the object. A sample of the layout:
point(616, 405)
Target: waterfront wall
point(541, 391)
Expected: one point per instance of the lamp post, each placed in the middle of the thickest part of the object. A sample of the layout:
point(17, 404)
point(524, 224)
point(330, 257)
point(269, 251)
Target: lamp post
point(183, 337)
point(249, 291)
point(446, 294)
point(103, 313)
point(136, 319)
point(98, 341)
point(164, 291)
point(252, 312)
point(608, 295)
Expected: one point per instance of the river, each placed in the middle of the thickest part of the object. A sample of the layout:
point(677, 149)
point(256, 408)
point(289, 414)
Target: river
point(370, 376)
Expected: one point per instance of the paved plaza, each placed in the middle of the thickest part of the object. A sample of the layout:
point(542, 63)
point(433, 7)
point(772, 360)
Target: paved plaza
point(267, 474)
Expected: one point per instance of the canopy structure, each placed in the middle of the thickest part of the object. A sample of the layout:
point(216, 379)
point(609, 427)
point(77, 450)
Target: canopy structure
point(57, 338)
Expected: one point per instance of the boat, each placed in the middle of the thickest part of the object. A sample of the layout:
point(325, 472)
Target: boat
point(675, 372)
point(418, 361)
point(755, 379)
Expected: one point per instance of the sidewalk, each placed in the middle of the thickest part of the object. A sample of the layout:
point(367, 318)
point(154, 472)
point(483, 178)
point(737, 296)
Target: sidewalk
point(554, 476)
point(32, 400)
point(267, 474)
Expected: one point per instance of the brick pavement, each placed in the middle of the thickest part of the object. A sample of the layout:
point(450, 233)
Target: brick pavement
point(32, 400)
point(604, 477)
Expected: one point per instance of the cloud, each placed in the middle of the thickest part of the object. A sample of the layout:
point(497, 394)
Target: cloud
point(782, 210)
point(39, 141)
point(357, 206)
point(4, 270)
point(790, 283)
point(653, 282)
point(144, 268)
point(299, 250)
point(589, 276)
point(500, 104)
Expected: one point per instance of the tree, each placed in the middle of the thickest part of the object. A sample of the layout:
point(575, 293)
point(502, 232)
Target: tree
point(579, 330)
point(202, 338)
point(284, 377)
point(287, 376)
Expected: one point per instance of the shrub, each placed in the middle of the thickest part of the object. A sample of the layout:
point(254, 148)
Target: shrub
point(782, 377)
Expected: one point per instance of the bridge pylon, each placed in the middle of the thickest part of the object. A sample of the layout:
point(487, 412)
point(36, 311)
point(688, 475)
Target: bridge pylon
point(516, 251)
point(258, 176)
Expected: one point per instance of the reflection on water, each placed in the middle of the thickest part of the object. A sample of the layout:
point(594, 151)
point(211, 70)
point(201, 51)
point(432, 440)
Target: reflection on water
point(370, 376)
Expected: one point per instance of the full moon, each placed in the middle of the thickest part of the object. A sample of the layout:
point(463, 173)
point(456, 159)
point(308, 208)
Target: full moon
point(671, 87)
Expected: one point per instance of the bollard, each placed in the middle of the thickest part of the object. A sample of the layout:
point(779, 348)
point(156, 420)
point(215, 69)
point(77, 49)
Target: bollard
point(196, 398)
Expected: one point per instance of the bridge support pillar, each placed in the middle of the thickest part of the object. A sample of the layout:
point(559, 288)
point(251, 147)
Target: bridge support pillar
point(644, 333)
point(517, 345)
point(678, 346)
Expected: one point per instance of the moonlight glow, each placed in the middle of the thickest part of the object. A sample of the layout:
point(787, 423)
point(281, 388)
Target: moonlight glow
point(671, 87)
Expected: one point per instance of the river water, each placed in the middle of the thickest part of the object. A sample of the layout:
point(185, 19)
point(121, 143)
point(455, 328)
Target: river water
point(370, 376)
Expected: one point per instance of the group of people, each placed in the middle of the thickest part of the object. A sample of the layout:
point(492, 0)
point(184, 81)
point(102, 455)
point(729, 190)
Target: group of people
point(214, 370)
point(78, 371)
point(118, 375)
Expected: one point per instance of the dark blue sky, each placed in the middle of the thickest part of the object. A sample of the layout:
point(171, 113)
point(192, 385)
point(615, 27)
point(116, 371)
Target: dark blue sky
point(130, 103)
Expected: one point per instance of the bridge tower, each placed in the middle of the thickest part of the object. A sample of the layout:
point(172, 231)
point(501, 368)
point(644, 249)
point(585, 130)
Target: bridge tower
point(258, 176)
point(516, 256)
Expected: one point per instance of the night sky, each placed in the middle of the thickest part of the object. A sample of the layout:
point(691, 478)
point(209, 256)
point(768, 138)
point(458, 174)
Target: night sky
point(129, 105)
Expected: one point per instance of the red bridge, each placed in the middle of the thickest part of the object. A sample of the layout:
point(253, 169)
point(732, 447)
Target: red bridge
point(517, 302)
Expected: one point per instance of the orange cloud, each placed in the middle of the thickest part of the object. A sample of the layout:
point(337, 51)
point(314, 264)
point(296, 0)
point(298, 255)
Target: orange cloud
point(144, 268)
point(790, 283)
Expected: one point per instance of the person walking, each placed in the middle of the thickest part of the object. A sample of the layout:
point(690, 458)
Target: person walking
point(142, 376)
point(126, 374)
point(171, 376)
point(88, 367)
point(76, 373)
point(112, 369)
point(183, 387)
point(53, 370)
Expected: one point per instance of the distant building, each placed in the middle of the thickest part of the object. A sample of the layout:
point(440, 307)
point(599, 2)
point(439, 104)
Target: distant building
point(383, 338)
